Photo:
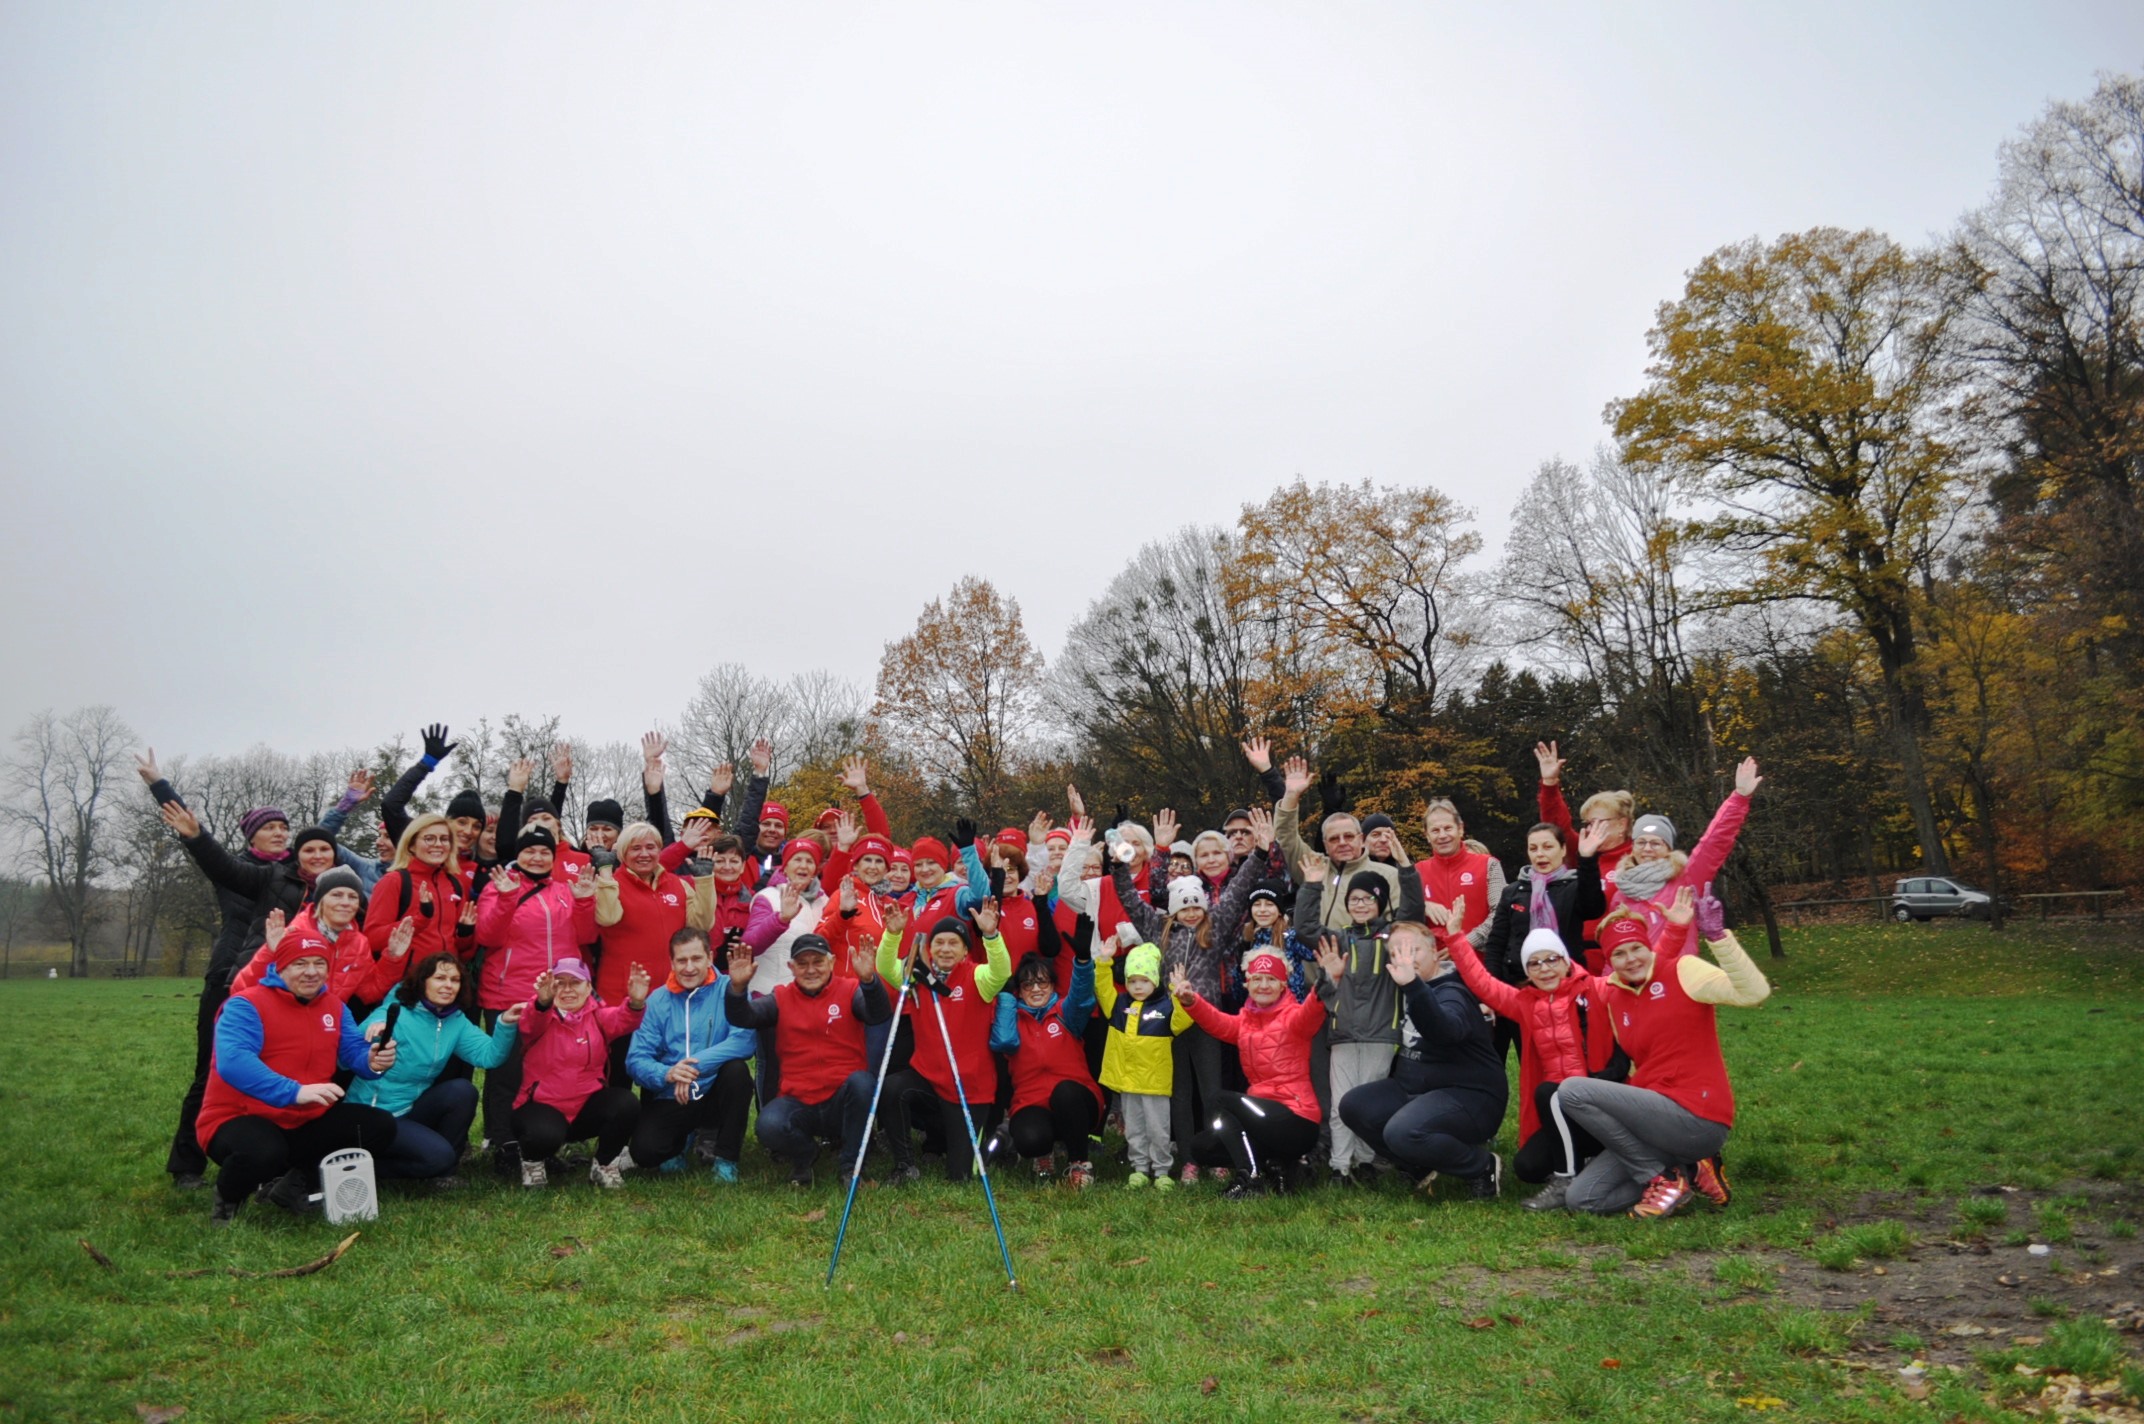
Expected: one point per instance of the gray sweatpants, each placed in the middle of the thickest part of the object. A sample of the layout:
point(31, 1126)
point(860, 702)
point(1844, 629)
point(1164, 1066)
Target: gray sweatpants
point(1642, 1133)
point(1146, 1131)
point(1354, 1064)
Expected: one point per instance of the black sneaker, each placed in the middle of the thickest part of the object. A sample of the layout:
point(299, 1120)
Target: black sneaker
point(1490, 1184)
point(293, 1191)
point(188, 1181)
point(223, 1213)
point(506, 1161)
point(904, 1175)
point(1245, 1189)
point(801, 1176)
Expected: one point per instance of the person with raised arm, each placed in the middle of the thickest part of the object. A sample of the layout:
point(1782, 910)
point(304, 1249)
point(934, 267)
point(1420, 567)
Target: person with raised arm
point(693, 1065)
point(1550, 895)
point(1457, 869)
point(358, 974)
point(421, 881)
point(272, 1109)
point(1445, 1100)
point(640, 907)
point(1663, 1133)
point(565, 1061)
point(432, 1107)
point(1654, 870)
point(465, 815)
point(963, 992)
point(1264, 1131)
point(1607, 812)
point(1343, 844)
point(1038, 1029)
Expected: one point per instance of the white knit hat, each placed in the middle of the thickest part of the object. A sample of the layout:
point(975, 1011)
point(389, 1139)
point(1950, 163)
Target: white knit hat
point(1186, 890)
point(1543, 942)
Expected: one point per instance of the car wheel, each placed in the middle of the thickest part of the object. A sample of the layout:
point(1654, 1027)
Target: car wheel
point(1902, 914)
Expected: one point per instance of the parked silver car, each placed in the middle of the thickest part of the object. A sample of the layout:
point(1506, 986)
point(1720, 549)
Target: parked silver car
point(1928, 895)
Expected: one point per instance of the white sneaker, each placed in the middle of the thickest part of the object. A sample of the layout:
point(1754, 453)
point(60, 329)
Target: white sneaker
point(609, 1178)
point(624, 1161)
point(533, 1174)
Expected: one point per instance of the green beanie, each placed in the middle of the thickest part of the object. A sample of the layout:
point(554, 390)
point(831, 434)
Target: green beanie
point(1143, 961)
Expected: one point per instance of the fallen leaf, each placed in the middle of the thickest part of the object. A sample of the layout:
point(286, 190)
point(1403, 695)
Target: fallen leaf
point(1208, 1285)
point(2012, 1281)
point(1611, 1364)
point(1510, 1319)
point(1138, 1261)
point(1966, 1329)
point(818, 1215)
point(1760, 1401)
point(1480, 1322)
point(1208, 1385)
point(1795, 1066)
point(160, 1414)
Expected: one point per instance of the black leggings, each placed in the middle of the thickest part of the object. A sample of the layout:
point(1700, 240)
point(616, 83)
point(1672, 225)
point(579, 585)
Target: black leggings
point(253, 1150)
point(722, 1109)
point(1441, 1130)
point(905, 1091)
point(1196, 1060)
point(1069, 1118)
point(186, 1156)
point(1542, 1154)
point(608, 1116)
point(501, 1086)
point(1256, 1136)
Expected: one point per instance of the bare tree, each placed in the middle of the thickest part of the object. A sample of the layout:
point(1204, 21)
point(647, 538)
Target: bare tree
point(732, 708)
point(60, 786)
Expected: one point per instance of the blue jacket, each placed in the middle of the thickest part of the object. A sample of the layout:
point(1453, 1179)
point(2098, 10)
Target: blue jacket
point(661, 1042)
point(425, 1039)
point(1079, 1007)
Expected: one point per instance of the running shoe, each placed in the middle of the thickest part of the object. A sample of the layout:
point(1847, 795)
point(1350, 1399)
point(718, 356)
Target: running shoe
point(1137, 1180)
point(1080, 1175)
point(724, 1172)
point(1665, 1195)
point(1164, 1183)
point(1246, 1189)
point(534, 1175)
point(607, 1175)
point(1553, 1197)
point(1490, 1184)
point(1190, 1175)
point(1710, 1179)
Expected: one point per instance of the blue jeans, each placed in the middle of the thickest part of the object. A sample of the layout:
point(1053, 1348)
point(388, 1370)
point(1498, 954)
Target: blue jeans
point(791, 1130)
point(429, 1137)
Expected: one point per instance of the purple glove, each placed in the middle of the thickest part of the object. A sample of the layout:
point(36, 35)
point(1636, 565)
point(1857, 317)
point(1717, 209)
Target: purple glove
point(1711, 916)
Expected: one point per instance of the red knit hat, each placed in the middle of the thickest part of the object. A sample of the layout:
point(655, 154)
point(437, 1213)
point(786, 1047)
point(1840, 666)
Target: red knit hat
point(1015, 837)
point(774, 811)
point(1268, 963)
point(1617, 933)
point(900, 856)
point(297, 944)
point(808, 847)
point(931, 848)
point(872, 844)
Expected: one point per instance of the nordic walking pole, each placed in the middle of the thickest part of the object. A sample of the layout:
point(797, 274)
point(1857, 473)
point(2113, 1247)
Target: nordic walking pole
point(885, 1062)
point(974, 1145)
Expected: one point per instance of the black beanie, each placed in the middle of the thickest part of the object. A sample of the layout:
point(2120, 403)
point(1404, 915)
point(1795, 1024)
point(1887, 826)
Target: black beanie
point(307, 836)
point(1370, 882)
point(605, 813)
point(466, 803)
point(537, 835)
point(340, 877)
point(538, 806)
point(951, 924)
point(1377, 821)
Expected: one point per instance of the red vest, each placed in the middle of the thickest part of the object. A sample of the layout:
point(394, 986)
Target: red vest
point(967, 1022)
point(1017, 926)
point(1049, 1054)
point(642, 934)
point(819, 1039)
point(1673, 1040)
point(1446, 877)
point(301, 1041)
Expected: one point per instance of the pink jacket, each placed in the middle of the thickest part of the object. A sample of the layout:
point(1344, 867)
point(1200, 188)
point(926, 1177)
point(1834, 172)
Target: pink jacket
point(1706, 858)
point(524, 933)
point(1274, 1044)
point(565, 1057)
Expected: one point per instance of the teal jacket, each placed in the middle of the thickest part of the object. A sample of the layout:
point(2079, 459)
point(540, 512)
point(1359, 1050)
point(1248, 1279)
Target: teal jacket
point(425, 1039)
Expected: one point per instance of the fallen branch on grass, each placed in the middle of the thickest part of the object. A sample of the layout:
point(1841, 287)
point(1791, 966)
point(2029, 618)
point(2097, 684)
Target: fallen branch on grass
point(95, 1255)
point(288, 1271)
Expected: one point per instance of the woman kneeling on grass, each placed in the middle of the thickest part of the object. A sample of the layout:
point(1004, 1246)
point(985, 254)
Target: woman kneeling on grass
point(1265, 1131)
point(1445, 1099)
point(564, 1065)
point(1662, 1132)
point(272, 1110)
point(432, 1112)
point(946, 981)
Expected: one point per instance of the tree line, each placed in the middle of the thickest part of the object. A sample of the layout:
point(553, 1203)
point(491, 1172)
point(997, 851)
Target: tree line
point(1872, 516)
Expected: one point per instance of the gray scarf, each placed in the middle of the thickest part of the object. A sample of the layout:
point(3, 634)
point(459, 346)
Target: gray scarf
point(1635, 881)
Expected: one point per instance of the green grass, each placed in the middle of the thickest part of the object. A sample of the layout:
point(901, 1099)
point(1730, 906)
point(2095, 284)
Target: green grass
point(1888, 1060)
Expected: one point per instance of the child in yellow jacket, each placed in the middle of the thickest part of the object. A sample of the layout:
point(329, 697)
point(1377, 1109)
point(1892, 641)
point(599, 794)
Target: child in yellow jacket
point(1138, 1056)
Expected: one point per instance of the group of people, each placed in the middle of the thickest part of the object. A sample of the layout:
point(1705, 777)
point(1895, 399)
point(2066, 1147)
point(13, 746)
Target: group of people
point(1259, 1006)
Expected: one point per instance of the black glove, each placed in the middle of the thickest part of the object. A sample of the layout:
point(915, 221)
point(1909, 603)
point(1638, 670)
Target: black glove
point(1332, 796)
point(1124, 813)
point(997, 882)
point(436, 745)
point(963, 833)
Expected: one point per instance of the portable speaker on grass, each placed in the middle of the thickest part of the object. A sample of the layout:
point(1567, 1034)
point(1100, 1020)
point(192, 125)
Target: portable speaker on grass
point(348, 1192)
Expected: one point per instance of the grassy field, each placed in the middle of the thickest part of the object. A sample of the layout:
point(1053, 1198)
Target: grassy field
point(1920, 1105)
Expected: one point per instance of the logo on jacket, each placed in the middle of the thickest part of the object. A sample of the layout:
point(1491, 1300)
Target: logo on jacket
point(833, 1011)
point(1466, 877)
point(669, 898)
point(1658, 989)
point(327, 1021)
point(956, 996)
point(1055, 1028)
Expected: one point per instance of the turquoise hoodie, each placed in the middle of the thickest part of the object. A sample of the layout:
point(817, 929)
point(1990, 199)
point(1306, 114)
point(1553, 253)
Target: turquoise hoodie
point(425, 1039)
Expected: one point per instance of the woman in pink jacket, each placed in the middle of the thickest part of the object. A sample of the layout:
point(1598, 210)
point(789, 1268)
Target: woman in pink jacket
point(565, 1066)
point(1266, 1129)
point(1649, 876)
point(527, 920)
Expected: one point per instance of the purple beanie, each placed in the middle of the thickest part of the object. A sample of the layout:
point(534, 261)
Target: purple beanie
point(249, 825)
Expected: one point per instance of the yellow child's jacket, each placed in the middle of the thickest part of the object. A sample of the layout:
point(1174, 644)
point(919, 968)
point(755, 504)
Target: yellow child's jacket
point(1138, 1056)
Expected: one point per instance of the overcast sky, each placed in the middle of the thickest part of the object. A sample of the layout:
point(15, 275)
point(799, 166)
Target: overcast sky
point(364, 365)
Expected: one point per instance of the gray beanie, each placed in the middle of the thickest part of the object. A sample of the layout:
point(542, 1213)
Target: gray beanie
point(1655, 825)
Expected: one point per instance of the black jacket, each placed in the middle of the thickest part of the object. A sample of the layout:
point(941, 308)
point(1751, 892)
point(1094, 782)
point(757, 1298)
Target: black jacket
point(1453, 1045)
point(1577, 899)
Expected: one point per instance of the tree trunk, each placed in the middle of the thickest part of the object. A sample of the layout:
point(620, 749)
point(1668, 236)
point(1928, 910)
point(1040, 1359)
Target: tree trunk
point(1906, 740)
point(1984, 809)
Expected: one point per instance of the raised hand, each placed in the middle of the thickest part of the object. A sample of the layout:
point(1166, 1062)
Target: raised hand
point(856, 775)
point(562, 761)
point(272, 929)
point(584, 885)
point(424, 894)
point(1683, 908)
point(1438, 915)
point(696, 832)
point(792, 902)
point(964, 834)
point(185, 822)
point(1074, 800)
point(1550, 763)
point(722, 778)
point(1589, 839)
point(1180, 985)
point(846, 829)
point(1458, 912)
point(1297, 775)
point(1711, 916)
point(653, 746)
point(1259, 753)
point(864, 960)
point(145, 767)
point(360, 784)
point(848, 894)
point(636, 987)
point(398, 943)
point(468, 916)
point(986, 918)
point(1261, 827)
point(1401, 963)
point(1330, 959)
point(546, 986)
point(741, 961)
point(895, 919)
point(436, 745)
point(502, 881)
point(1038, 831)
point(1746, 779)
point(762, 757)
point(1315, 868)
point(1165, 828)
point(1082, 830)
point(517, 775)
